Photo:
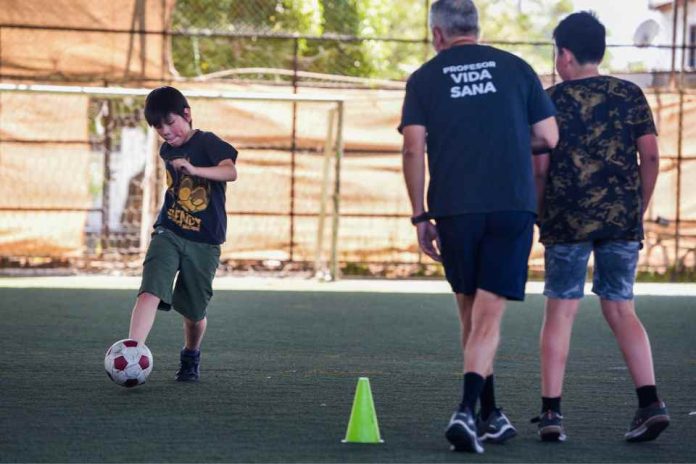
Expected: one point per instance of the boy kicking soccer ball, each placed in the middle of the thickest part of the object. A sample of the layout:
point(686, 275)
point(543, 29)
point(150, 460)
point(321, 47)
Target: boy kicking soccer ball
point(184, 252)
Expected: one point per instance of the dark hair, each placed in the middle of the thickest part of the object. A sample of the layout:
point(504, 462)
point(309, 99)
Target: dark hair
point(582, 34)
point(163, 101)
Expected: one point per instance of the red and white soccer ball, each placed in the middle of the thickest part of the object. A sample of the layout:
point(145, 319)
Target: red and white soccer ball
point(128, 363)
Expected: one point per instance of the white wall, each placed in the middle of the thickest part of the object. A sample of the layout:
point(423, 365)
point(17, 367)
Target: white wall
point(665, 37)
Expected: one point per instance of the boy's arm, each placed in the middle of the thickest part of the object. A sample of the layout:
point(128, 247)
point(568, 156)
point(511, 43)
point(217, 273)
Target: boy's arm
point(225, 171)
point(544, 135)
point(540, 166)
point(649, 166)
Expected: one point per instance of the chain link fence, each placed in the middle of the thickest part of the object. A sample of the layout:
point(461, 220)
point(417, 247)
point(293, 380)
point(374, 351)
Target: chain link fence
point(79, 176)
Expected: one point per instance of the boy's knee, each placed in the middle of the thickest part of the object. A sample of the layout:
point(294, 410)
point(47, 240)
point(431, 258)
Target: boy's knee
point(619, 310)
point(148, 297)
point(194, 323)
point(562, 311)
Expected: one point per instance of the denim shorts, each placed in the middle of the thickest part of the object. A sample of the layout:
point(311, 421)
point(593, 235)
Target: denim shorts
point(487, 251)
point(615, 263)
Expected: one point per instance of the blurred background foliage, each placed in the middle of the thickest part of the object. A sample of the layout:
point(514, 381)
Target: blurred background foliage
point(385, 39)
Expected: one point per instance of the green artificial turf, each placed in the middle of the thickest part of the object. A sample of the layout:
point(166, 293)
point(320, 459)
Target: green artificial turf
point(279, 370)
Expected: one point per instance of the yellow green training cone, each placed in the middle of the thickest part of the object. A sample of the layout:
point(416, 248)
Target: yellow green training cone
point(363, 426)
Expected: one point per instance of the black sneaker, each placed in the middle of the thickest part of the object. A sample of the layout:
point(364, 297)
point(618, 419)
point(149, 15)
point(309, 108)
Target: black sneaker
point(189, 366)
point(496, 429)
point(648, 423)
point(461, 433)
point(550, 426)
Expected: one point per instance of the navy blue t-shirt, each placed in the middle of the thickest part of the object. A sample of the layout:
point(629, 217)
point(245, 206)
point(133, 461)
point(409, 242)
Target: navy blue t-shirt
point(477, 104)
point(194, 208)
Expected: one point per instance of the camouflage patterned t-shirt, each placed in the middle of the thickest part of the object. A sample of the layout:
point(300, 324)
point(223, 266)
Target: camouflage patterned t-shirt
point(593, 190)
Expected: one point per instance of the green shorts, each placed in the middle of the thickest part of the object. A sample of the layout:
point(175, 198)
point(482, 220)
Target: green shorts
point(196, 264)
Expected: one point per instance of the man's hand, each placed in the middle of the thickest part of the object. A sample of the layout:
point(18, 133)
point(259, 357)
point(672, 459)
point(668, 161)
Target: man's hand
point(428, 240)
point(183, 165)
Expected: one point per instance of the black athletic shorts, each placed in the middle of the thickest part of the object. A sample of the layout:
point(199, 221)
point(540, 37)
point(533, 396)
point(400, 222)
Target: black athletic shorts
point(489, 251)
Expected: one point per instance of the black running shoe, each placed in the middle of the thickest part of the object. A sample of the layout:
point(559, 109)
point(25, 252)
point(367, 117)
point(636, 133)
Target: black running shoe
point(189, 366)
point(496, 428)
point(461, 433)
point(648, 423)
point(550, 426)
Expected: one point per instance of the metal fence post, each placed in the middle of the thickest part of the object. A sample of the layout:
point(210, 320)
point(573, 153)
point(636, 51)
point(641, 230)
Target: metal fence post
point(335, 268)
point(293, 148)
point(108, 123)
point(320, 270)
point(680, 140)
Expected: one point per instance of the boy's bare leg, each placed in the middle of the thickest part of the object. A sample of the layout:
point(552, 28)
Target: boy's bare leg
point(632, 339)
point(143, 316)
point(479, 351)
point(651, 418)
point(554, 343)
point(193, 333)
point(190, 356)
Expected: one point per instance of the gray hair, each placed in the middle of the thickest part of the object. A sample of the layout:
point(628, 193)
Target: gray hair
point(455, 17)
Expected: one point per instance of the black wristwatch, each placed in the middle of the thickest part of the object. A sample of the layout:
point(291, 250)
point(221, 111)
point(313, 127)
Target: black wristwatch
point(422, 217)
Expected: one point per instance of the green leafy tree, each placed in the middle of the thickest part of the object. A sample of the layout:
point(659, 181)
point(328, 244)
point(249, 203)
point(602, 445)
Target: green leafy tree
point(501, 20)
point(201, 55)
point(339, 18)
point(524, 21)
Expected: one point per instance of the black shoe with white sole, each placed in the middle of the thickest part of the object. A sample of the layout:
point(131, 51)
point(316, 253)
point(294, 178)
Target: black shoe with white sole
point(461, 432)
point(496, 428)
point(648, 423)
point(550, 426)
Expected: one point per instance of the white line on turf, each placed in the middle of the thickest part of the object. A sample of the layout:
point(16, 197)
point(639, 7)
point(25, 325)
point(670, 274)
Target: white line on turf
point(310, 285)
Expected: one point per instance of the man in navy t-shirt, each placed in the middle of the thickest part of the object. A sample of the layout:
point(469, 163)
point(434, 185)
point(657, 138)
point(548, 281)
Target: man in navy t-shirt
point(482, 113)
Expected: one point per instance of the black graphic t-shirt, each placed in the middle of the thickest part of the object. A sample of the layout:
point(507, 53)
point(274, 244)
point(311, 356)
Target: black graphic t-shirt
point(477, 104)
point(194, 208)
point(593, 191)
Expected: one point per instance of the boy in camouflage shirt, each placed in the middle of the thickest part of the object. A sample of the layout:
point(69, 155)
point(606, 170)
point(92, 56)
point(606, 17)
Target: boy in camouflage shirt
point(592, 194)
